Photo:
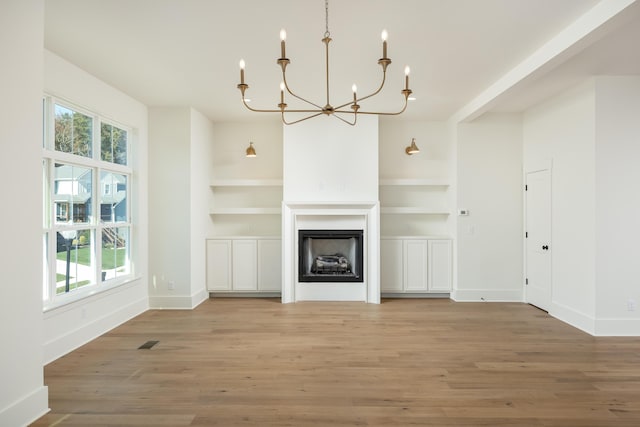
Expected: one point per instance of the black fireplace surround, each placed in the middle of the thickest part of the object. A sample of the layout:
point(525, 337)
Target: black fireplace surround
point(330, 256)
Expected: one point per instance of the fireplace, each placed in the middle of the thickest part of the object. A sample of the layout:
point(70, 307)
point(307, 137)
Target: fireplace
point(330, 256)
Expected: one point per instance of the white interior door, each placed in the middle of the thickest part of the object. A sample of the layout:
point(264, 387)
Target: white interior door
point(538, 239)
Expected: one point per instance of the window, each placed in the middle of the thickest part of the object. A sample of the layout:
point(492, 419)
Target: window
point(113, 144)
point(87, 220)
point(73, 131)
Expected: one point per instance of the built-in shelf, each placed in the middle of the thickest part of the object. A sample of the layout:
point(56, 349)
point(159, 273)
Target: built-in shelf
point(414, 206)
point(417, 237)
point(246, 211)
point(412, 210)
point(246, 207)
point(247, 183)
point(414, 182)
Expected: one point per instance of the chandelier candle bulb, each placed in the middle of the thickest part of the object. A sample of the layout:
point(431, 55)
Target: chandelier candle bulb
point(407, 70)
point(283, 38)
point(281, 92)
point(384, 43)
point(354, 88)
point(242, 71)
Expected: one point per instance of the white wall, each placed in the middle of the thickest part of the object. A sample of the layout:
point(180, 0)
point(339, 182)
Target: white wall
point(92, 316)
point(435, 159)
point(617, 155)
point(232, 139)
point(201, 164)
point(326, 160)
point(489, 185)
point(562, 130)
point(230, 163)
point(23, 397)
point(169, 204)
point(180, 161)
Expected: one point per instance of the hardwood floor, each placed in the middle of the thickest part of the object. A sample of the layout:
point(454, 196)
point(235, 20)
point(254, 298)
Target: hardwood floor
point(256, 362)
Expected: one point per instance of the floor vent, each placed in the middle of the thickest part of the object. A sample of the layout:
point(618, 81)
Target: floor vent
point(148, 345)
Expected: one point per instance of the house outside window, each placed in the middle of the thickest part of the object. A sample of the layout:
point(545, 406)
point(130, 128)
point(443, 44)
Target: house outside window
point(87, 220)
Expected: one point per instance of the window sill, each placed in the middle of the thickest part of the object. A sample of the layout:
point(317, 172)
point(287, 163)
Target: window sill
point(77, 297)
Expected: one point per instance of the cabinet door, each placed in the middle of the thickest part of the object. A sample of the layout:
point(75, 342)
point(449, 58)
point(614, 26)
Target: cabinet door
point(245, 262)
point(440, 265)
point(415, 265)
point(219, 265)
point(391, 265)
point(269, 265)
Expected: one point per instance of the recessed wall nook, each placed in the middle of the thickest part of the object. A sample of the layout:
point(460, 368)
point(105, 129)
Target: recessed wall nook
point(281, 228)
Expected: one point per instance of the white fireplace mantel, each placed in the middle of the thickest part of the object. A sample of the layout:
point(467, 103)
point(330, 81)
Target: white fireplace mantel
point(331, 215)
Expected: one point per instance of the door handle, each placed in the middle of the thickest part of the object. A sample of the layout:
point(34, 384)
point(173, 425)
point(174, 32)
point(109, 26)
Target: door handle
point(545, 247)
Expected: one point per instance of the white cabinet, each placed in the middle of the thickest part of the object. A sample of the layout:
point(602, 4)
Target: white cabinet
point(244, 259)
point(391, 265)
point(270, 265)
point(415, 265)
point(244, 265)
point(439, 265)
point(219, 265)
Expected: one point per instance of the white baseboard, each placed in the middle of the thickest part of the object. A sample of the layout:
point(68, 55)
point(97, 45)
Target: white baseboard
point(178, 302)
point(75, 338)
point(489, 295)
point(617, 327)
point(262, 294)
point(26, 410)
point(597, 327)
point(572, 317)
point(413, 295)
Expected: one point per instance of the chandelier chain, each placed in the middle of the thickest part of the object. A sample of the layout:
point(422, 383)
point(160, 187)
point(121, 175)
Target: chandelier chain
point(327, 34)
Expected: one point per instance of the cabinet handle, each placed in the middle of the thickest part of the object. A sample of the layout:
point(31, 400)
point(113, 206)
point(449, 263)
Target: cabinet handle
point(545, 247)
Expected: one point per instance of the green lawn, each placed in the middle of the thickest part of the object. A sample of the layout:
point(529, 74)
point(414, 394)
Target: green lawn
point(110, 258)
point(60, 290)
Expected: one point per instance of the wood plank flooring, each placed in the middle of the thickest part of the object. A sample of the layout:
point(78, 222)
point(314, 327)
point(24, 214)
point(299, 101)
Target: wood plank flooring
point(405, 362)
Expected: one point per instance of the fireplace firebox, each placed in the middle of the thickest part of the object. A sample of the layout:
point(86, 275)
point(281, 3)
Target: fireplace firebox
point(330, 256)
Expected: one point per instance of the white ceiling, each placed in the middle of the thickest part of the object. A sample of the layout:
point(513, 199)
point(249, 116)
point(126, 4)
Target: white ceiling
point(186, 52)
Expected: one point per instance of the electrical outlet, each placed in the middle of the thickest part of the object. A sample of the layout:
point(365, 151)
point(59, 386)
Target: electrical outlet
point(632, 305)
point(171, 285)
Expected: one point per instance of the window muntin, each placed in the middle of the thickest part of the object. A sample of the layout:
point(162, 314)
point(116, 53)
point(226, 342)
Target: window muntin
point(87, 223)
point(73, 132)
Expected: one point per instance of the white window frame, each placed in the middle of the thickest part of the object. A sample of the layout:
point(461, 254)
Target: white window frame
point(50, 228)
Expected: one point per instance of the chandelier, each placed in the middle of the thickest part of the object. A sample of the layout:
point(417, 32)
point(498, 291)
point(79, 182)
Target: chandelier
point(349, 109)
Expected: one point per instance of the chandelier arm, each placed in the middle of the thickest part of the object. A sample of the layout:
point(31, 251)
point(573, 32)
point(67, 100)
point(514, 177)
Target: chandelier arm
point(300, 120)
point(286, 85)
point(259, 110)
point(355, 118)
point(384, 79)
point(406, 102)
